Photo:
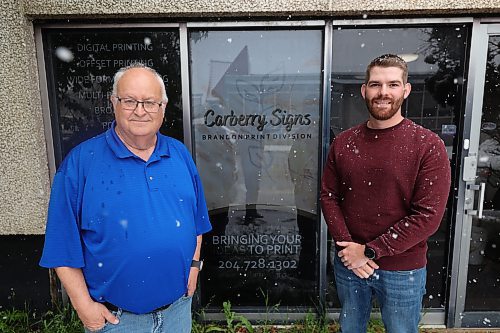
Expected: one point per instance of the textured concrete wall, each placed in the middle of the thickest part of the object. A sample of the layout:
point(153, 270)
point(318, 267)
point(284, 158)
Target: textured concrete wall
point(246, 8)
point(24, 174)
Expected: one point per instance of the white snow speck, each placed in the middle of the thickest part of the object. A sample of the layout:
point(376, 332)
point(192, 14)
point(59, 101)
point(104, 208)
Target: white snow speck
point(64, 54)
point(124, 224)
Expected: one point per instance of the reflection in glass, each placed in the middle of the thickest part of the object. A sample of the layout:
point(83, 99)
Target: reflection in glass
point(81, 64)
point(256, 108)
point(483, 278)
point(435, 57)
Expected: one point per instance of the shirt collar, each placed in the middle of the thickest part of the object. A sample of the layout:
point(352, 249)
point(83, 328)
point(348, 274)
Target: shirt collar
point(121, 151)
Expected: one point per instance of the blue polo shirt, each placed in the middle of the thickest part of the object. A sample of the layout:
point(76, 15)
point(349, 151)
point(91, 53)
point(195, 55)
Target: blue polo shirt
point(130, 225)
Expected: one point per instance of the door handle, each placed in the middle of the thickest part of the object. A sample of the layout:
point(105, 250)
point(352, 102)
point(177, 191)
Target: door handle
point(481, 188)
point(481, 201)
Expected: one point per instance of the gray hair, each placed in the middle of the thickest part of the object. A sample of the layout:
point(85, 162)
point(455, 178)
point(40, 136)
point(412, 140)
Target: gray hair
point(122, 71)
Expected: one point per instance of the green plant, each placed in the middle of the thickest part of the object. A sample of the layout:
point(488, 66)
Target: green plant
point(198, 327)
point(375, 326)
point(312, 324)
point(12, 321)
point(266, 324)
point(235, 323)
point(61, 320)
point(65, 320)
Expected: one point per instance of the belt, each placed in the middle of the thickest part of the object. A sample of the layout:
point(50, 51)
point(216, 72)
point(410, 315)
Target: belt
point(112, 307)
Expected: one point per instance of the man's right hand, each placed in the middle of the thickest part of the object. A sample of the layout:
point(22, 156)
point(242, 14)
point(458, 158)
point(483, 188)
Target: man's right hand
point(366, 270)
point(94, 316)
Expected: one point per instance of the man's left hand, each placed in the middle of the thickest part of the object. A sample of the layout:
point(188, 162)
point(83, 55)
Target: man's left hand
point(353, 254)
point(364, 272)
point(192, 280)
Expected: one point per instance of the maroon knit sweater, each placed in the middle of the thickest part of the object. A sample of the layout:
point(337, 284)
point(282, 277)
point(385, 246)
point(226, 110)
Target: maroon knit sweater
point(388, 189)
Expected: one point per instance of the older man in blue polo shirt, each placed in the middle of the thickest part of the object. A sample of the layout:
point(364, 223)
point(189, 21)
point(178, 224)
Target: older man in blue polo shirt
point(125, 219)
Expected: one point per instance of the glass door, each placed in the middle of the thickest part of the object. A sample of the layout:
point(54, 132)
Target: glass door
point(255, 96)
point(479, 242)
point(436, 56)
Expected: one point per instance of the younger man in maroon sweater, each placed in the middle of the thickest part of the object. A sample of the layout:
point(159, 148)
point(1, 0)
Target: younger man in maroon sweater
point(384, 191)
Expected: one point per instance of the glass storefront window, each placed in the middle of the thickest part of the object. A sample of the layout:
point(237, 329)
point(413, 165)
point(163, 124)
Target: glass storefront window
point(80, 67)
point(256, 108)
point(256, 97)
point(436, 57)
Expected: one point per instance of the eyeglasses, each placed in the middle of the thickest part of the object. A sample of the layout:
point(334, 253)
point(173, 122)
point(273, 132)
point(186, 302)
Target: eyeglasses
point(130, 104)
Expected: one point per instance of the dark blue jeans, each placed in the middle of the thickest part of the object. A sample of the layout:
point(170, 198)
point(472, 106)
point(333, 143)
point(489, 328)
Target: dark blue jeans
point(399, 294)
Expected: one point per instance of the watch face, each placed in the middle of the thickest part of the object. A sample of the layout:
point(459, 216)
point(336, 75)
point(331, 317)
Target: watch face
point(369, 253)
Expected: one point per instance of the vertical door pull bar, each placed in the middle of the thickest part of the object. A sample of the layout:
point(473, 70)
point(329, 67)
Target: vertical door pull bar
point(481, 201)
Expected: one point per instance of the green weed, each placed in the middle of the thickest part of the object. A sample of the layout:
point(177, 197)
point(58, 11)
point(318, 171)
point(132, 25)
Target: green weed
point(13, 321)
point(234, 322)
point(59, 320)
point(65, 320)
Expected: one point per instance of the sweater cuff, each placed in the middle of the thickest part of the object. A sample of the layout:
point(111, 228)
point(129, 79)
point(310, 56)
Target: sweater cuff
point(380, 248)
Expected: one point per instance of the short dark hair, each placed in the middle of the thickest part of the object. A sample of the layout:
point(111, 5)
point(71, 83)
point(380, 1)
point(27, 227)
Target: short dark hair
point(388, 60)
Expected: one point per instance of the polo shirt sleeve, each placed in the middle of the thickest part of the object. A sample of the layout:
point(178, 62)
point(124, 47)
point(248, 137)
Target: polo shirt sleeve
point(63, 247)
point(202, 221)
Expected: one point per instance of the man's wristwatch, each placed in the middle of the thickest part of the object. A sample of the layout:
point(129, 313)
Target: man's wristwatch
point(370, 253)
point(197, 263)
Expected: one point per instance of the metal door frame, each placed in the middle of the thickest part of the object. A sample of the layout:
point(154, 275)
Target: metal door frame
point(482, 29)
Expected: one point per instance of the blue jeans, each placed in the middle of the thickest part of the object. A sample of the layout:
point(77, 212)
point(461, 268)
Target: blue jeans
point(399, 294)
point(175, 319)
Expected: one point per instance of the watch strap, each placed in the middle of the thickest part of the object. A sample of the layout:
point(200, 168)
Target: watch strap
point(197, 264)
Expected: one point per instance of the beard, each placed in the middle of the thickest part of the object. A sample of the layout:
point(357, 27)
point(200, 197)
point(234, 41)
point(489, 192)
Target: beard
point(386, 112)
